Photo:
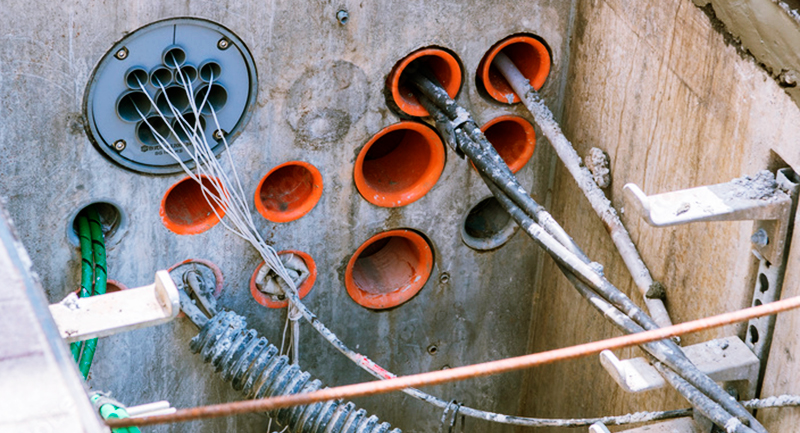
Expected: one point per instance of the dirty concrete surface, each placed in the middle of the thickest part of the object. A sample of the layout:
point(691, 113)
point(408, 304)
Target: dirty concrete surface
point(49, 170)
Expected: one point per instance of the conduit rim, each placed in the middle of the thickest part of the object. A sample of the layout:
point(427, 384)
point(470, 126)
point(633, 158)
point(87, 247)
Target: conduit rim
point(408, 104)
point(503, 92)
point(399, 295)
point(307, 204)
point(302, 290)
point(520, 160)
point(418, 188)
point(192, 228)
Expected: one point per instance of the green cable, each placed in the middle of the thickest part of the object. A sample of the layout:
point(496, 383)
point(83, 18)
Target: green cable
point(100, 277)
point(109, 410)
point(86, 270)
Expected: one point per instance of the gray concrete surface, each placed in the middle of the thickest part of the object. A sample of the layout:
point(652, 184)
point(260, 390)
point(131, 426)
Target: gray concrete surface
point(49, 170)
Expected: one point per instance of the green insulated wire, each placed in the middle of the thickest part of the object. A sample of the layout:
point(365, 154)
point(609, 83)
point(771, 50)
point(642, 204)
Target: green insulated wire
point(86, 269)
point(100, 277)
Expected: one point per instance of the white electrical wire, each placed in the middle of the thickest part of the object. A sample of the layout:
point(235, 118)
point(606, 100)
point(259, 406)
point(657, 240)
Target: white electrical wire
point(225, 194)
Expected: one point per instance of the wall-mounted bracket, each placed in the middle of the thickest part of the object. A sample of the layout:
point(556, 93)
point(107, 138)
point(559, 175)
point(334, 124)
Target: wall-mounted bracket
point(762, 198)
point(770, 201)
point(723, 360)
point(80, 319)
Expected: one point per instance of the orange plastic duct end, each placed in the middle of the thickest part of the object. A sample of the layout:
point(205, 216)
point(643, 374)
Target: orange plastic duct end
point(184, 209)
point(514, 139)
point(528, 53)
point(442, 64)
point(399, 165)
point(302, 290)
point(288, 191)
point(388, 269)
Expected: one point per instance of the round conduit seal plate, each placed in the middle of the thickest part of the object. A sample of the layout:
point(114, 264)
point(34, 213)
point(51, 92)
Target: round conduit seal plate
point(149, 67)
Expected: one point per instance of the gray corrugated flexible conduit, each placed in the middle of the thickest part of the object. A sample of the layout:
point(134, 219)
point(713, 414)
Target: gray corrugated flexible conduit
point(254, 366)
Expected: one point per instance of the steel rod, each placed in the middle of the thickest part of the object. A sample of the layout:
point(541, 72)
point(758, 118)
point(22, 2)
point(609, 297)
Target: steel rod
point(600, 203)
point(461, 373)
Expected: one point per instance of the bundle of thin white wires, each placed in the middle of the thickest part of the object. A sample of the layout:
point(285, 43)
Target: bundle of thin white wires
point(222, 191)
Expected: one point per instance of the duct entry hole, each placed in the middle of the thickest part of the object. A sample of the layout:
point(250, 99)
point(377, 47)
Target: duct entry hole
point(146, 131)
point(210, 71)
point(189, 208)
point(514, 139)
point(487, 225)
point(132, 104)
point(763, 283)
point(389, 269)
point(753, 333)
point(211, 97)
point(160, 77)
point(396, 161)
point(174, 57)
point(176, 97)
point(432, 62)
point(529, 54)
point(186, 74)
point(386, 265)
point(289, 191)
point(188, 123)
point(136, 78)
point(399, 165)
point(112, 221)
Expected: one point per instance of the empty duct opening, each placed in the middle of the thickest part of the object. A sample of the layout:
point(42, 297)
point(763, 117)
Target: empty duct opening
point(389, 269)
point(288, 191)
point(131, 104)
point(160, 77)
point(444, 66)
point(185, 210)
point(514, 139)
point(487, 226)
point(112, 219)
point(302, 290)
point(399, 165)
point(530, 56)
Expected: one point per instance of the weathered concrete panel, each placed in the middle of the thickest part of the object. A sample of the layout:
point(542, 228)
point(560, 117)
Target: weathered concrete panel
point(657, 88)
point(49, 169)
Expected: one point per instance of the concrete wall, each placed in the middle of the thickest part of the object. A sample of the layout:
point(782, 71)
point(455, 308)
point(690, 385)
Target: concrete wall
point(49, 170)
point(656, 87)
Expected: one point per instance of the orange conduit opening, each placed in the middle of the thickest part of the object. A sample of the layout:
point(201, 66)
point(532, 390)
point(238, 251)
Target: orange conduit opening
point(528, 54)
point(442, 64)
point(514, 139)
point(399, 165)
point(115, 286)
point(288, 191)
point(388, 269)
point(219, 280)
point(302, 290)
point(184, 209)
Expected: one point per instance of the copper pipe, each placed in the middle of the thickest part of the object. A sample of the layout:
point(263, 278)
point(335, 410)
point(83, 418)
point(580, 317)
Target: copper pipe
point(459, 373)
